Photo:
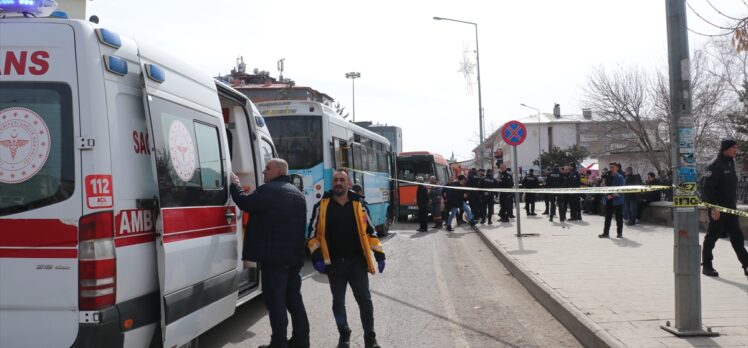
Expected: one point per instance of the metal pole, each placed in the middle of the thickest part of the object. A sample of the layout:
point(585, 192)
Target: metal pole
point(480, 100)
point(353, 87)
point(540, 152)
point(516, 194)
point(686, 248)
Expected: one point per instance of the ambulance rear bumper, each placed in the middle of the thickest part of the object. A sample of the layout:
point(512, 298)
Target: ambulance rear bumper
point(108, 331)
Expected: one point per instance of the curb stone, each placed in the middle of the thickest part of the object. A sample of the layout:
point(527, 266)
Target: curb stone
point(589, 333)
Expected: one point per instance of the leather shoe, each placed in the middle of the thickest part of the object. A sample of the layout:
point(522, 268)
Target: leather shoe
point(604, 235)
point(709, 271)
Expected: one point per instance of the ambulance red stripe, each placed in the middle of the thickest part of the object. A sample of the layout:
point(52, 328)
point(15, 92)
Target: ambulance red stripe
point(37, 233)
point(194, 218)
point(176, 237)
point(135, 239)
point(27, 253)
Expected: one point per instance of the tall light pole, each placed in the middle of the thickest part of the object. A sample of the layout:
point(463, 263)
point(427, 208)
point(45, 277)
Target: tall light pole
point(477, 64)
point(540, 153)
point(353, 76)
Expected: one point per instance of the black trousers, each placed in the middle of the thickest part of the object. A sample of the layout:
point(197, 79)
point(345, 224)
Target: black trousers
point(423, 217)
point(505, 205)
point(351, 271)
point(574, 207)
point(550, 205)
point(563, 206)
point(609, 210)
point(486, 208)
point(728, 224)
point(475, 204)
point(281, 288)
point(530, 202)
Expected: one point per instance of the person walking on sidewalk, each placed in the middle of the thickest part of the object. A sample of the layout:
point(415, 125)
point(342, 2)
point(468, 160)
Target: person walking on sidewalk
point(505, 198)
point(275, 240)
point(530, 182)
point(613, 202)
point(435, 202)
point(455, 199)
point(575, 181)
point(341, 242)
point(554, 181)
point(720, 188)
point(422, 200)
point(487, 197)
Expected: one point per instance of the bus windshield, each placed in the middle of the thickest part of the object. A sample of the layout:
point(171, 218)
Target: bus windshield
point(409, 169)
point(298, 139)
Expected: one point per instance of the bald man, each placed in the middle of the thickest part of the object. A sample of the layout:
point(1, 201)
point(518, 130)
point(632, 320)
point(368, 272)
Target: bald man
point(275, 239)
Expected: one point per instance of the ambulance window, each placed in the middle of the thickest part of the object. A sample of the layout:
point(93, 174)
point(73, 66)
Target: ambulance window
point(37, 158)
point(189, 158)
point(209, 152)
point(267, 151)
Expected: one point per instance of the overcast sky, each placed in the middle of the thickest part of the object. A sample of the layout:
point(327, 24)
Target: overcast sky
point(534, 52)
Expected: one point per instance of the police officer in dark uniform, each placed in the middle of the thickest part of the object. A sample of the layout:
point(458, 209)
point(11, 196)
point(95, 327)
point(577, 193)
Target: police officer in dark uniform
point(575, 181)
point(563, 200)
point(720, 188)
point(505, 198)
point(530, 182)
point(553, 181)
point(487, 198)
point(474, 177)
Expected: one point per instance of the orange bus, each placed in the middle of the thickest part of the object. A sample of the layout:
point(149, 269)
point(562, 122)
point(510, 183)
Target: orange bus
point(414, 164)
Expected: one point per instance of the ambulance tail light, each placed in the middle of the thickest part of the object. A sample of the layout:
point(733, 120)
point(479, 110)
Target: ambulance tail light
point(97, 276)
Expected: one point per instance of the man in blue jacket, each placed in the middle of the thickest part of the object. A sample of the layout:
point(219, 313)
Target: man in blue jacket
point(614, 202)
point(276, 239)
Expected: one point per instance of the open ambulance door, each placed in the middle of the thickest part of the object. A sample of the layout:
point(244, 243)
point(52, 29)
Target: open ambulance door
point(196, 225)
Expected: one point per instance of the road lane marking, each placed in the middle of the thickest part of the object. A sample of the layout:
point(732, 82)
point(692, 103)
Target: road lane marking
point(458, 334)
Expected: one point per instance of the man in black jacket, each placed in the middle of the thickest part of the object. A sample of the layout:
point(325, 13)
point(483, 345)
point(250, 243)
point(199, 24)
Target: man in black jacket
point(554, 181)
point(422, 200)
point(530, 182)
point(720, 188)
point(276, 239)
point(575, 181)
point(505, 198)
point(487, 197)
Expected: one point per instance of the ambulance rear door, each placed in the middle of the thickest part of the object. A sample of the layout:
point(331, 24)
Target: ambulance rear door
point(40, 191)
point(197, 244)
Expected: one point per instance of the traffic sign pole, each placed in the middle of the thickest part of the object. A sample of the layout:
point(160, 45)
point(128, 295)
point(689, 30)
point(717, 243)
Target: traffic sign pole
point(516, 194)
point(514, 133)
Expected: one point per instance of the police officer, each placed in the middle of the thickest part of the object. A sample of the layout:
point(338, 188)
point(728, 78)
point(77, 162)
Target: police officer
point(530, 182)
point(474, 197)
point(720, 188)
point(563, 200)
point(575, 181)
point(505, 198)
point(554, 181)
point(487, 198)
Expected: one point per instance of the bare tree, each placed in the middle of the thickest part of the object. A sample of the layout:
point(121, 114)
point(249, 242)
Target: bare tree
point(623, 99)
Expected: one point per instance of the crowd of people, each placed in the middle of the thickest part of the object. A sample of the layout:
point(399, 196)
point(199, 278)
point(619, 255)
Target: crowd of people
point(443, 204)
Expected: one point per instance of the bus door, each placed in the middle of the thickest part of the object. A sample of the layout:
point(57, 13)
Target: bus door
point(197, 244)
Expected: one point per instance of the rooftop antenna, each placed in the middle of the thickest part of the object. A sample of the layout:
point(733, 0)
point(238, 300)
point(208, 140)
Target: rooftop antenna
point(240, 66)
point(280, 68)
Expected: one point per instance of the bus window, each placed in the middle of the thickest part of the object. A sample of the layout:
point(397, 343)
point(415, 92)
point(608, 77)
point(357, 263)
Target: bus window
point(298, 139)
point(442, 174)
point(409, 170)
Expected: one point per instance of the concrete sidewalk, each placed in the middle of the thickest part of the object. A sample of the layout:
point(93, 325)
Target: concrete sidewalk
point(617, 292)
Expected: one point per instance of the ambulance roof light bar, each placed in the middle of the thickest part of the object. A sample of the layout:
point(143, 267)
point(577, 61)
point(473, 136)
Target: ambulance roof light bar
point(27, 8)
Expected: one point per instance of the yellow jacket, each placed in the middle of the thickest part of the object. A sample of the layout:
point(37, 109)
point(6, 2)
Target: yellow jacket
point(369, 242)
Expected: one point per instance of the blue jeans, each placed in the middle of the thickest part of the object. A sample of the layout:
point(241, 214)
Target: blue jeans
point(281, 288)
point(453, 212)
point(631, 210)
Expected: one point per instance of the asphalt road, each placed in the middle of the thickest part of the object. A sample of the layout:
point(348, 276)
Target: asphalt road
point(439, 289)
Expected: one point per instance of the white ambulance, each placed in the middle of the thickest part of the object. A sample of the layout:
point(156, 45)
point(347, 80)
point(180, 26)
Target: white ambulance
point(116, 224)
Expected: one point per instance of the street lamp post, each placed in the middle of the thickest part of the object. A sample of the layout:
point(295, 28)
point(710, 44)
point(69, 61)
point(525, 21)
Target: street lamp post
point(540, 153)
point(353, 76)
point(477, 64)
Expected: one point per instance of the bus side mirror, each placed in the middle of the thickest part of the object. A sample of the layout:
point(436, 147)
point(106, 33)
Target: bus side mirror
point(297, 181)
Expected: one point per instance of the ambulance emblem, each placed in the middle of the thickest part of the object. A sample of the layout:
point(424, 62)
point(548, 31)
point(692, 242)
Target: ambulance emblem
point(182, 151)
point(24, 144)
